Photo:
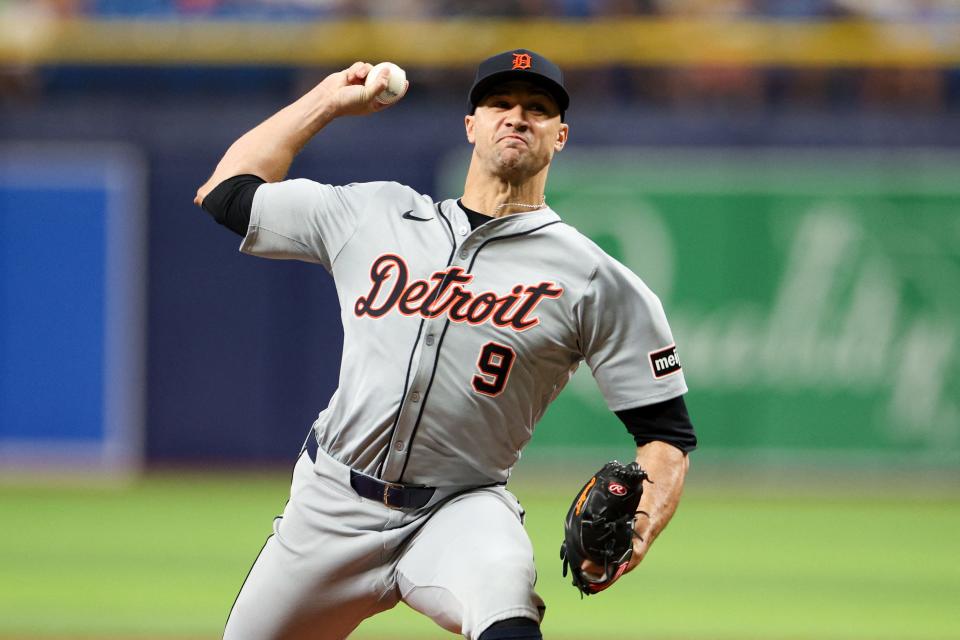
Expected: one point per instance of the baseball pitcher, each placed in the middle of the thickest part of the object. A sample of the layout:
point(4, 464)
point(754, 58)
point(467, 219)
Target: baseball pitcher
point(463, 320)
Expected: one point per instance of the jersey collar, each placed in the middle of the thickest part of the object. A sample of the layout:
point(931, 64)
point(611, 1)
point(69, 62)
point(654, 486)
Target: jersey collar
point(509, 224)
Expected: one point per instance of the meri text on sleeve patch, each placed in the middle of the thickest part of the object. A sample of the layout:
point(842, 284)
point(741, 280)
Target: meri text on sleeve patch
point(664, 362)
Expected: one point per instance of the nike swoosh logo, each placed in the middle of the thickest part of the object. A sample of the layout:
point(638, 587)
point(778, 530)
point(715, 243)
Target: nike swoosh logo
point(409, 216)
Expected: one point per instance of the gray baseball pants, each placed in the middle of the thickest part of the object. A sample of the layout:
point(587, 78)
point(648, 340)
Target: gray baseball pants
point(335, 558)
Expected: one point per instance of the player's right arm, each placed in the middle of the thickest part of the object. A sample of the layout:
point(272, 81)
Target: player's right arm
point(268, 149)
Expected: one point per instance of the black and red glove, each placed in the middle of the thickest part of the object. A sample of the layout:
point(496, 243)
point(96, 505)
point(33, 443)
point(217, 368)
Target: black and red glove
point(599, 525)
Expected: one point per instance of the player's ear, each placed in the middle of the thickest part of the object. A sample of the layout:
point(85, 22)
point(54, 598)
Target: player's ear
point(468, 123)
point(562, 135)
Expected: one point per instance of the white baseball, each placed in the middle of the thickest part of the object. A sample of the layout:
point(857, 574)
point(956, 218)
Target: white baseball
point(396, 85)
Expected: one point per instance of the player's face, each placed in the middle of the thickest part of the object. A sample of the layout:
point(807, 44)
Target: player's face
point(516, 129)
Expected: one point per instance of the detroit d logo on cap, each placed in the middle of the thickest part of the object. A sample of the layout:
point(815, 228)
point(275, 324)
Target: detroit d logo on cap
point(522, 61)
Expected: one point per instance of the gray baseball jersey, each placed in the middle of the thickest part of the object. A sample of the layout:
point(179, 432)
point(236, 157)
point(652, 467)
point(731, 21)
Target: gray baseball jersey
point(455, 341)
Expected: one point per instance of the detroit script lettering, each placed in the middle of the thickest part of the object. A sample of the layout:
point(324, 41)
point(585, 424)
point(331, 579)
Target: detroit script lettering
point(444, 293)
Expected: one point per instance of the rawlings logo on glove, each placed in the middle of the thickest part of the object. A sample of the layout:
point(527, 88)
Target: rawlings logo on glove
point(599, 525)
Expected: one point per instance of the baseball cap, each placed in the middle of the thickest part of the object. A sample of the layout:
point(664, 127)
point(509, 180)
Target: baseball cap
point(519, 64)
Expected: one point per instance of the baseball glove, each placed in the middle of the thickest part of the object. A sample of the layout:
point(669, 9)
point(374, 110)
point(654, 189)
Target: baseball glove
point(599, 525)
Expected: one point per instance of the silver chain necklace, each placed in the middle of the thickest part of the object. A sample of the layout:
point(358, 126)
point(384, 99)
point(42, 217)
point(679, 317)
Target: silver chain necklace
point(543, 203)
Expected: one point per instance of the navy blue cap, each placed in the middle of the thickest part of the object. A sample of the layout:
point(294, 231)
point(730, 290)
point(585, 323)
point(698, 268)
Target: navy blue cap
point(519, 64)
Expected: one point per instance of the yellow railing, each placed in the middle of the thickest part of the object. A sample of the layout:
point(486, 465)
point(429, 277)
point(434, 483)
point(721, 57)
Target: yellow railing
point(457, 43)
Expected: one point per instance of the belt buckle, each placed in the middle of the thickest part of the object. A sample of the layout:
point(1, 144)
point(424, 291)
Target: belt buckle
point(386, 492)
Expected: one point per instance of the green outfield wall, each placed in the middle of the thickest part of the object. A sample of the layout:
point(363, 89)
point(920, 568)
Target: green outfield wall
point(814, 296)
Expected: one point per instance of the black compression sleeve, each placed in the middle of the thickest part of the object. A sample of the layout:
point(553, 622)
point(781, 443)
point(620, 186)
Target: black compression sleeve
point(666, 421)
point(231, 202)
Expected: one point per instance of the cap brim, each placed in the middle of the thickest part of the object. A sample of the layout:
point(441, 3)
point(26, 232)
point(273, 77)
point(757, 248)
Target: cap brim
point(483, 87)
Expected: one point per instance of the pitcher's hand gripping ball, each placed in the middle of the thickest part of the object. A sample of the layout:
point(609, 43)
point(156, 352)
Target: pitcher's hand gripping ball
point(599, 525)
point(396, 84)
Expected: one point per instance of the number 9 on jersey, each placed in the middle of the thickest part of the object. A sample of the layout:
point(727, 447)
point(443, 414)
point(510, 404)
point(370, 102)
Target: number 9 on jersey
point(494, 363)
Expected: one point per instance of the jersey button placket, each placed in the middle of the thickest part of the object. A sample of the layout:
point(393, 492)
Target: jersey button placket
point(410, 410)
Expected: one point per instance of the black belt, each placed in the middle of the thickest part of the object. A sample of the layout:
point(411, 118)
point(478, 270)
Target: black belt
point(396, 496)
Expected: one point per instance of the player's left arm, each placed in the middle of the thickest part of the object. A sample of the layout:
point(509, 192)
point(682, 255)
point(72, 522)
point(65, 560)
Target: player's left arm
point(627, 342)
point(666, 465)
point(665, 436)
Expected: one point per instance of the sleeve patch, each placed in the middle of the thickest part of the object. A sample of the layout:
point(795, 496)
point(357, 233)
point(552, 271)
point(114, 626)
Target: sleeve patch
point(664, 362)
